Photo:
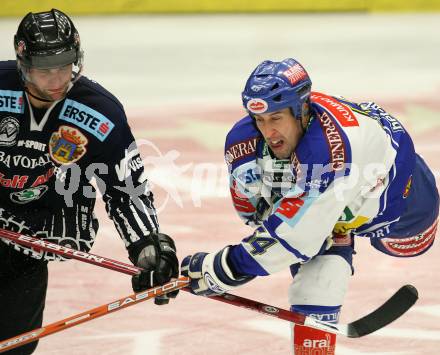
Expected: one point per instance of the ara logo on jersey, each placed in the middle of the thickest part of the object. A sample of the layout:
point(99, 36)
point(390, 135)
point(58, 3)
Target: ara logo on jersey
point(28, 195)
point(67, 145)
point(11, 101)
point(8, 131)
point(87, 118)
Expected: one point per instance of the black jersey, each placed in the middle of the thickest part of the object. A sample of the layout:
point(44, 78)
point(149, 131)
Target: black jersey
point(47, 161)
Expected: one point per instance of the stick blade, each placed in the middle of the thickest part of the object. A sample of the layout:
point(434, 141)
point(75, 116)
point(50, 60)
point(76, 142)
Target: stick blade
point(392, 309)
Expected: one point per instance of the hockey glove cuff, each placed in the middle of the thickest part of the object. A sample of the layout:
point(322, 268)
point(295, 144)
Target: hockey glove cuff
point(210, 274)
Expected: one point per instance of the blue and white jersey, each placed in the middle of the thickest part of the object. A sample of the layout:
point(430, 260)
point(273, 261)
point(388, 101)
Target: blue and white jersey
point(350, 173)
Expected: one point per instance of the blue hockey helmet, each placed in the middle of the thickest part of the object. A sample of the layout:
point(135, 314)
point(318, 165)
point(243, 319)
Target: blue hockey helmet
point(273, 86)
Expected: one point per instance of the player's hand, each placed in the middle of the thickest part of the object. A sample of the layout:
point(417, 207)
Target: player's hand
point(210, 274)
point(158, 258)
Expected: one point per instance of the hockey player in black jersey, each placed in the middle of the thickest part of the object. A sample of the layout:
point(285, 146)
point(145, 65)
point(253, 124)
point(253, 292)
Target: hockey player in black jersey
point(59, 129)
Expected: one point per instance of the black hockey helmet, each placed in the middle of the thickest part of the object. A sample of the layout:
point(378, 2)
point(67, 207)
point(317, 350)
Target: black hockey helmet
point(48, 40)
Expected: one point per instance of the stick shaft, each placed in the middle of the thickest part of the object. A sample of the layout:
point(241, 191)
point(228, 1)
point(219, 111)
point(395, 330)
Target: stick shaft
point(260, 307)
point(86, 316)
point(39, 244)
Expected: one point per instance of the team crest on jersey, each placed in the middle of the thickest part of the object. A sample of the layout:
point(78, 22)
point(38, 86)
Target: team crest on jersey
point(28, 195)
point(9, 127)
point(67, 145)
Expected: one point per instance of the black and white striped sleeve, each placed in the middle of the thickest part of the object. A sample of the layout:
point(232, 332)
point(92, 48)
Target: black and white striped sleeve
point(127, 196)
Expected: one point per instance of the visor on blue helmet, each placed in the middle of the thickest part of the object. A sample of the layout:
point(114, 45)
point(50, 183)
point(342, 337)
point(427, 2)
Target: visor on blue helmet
point(273, 86)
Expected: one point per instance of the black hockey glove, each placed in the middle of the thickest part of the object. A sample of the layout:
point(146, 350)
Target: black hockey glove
point(157, 256)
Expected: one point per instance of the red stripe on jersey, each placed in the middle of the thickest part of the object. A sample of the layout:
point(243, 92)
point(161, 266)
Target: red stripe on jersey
point(241, 202)
point(341, 112)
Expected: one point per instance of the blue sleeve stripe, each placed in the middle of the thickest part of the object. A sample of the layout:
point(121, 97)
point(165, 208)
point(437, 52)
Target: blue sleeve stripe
point(243, 263)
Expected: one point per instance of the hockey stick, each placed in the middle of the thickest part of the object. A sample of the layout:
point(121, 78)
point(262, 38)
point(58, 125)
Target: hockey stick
point(392, 309)
point(39, 244)
point(86, 316)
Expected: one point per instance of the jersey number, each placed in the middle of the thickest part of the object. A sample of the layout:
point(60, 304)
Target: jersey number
point(261, 244)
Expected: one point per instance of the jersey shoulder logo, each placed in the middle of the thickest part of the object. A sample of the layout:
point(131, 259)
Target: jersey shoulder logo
point(240, 150)
point(343, 114)
point(87, 118)
point(11, 101)
point(67, 145)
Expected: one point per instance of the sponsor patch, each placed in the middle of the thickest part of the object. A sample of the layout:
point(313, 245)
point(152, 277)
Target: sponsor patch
point(295, 74)
point(411, 246)
point(9, 127)
point(249, 176)
point(23, 160)
point(310, 341)
point(334, 140)
point(257, 106)
point(290, 206)
point(15, 182)
point(347, 221)
point(341, 112)
point(11, 101)
point(240, 150)
point(19, 181)
point(30, 144)
point(28, 195)
point(407, 187)
point(87, 118)
point(67, 145)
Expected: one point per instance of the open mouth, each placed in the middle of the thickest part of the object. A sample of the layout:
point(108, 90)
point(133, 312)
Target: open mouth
point(276, 144)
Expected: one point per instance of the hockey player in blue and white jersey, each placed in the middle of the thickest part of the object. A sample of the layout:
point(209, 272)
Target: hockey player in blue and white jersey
point(311, 172)
point(58, 129)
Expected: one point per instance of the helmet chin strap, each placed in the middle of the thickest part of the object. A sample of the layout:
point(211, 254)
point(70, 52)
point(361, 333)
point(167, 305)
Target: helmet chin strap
point(36, 97)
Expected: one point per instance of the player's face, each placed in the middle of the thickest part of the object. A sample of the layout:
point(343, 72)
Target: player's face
point(50, 84)
point(281, 131)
